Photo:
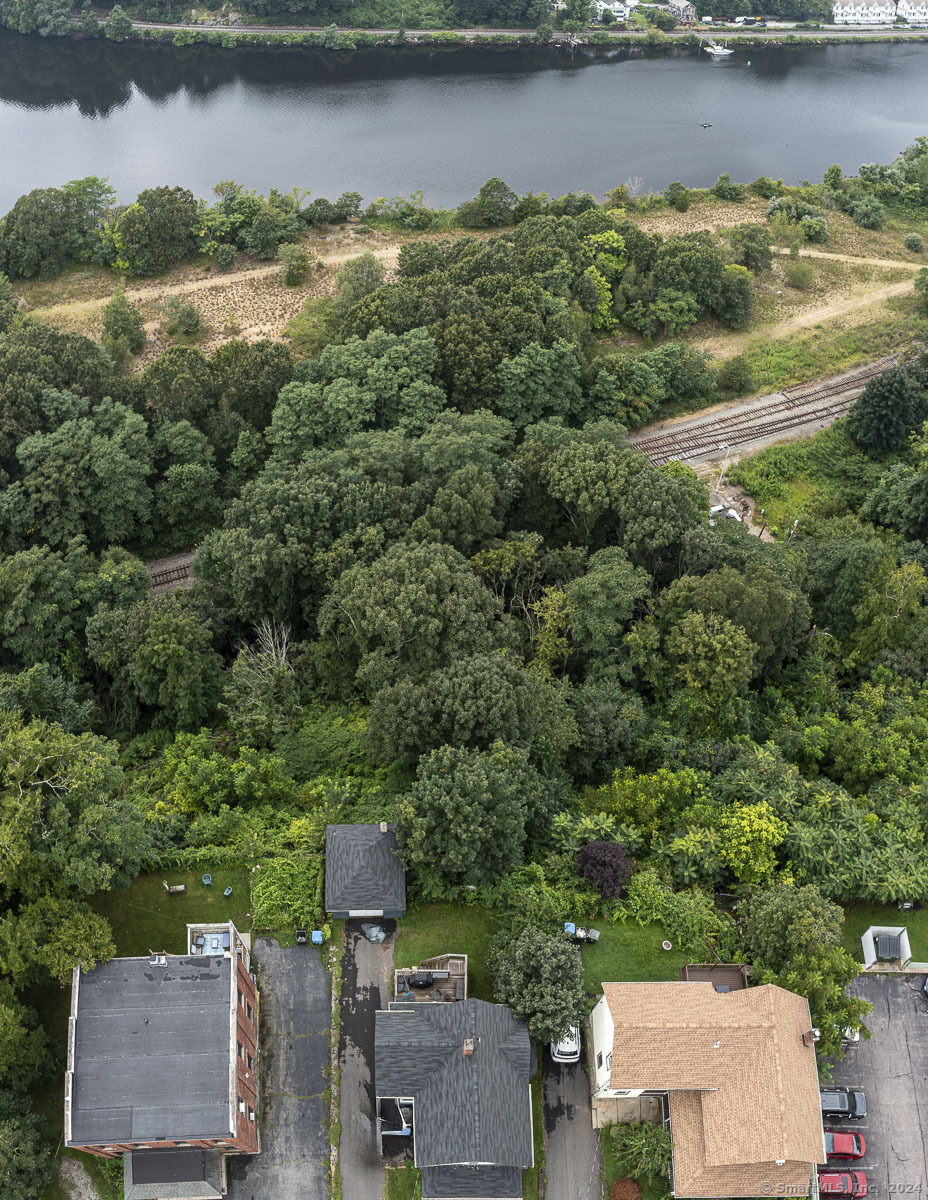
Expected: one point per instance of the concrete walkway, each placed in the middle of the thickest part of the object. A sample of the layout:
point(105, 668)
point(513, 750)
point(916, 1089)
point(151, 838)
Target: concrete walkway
point(366, 974)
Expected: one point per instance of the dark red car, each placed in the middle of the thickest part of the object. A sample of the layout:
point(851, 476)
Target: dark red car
point(843, 1183)
point(841, 1143)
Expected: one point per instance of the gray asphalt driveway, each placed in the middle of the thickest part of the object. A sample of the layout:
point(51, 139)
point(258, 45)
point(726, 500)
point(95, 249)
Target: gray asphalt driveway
point(573, 1155)
point(295, 1006)
point(892, 1069)
point(366, 976)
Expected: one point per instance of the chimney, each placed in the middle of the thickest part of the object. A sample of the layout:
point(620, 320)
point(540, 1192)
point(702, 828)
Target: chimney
point(811, 1037)
point(468, 1046)
point(383, 827)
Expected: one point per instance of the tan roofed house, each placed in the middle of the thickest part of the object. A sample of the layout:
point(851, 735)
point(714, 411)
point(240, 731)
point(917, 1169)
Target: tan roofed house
point(737, 1074)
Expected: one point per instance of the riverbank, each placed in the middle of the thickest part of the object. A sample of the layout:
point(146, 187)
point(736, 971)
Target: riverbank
point(213, 32)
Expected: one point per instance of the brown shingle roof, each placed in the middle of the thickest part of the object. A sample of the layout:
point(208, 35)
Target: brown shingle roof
point(751, 1084)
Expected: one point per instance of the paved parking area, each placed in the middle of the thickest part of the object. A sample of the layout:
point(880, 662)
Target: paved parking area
point(573, 1156)
point(294, 1159)
point(892, 1069)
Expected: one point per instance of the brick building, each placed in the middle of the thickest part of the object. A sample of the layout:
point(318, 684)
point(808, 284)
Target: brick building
point(163, 1064)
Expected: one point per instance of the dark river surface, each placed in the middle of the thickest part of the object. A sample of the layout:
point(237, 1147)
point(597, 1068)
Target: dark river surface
point(385, 122)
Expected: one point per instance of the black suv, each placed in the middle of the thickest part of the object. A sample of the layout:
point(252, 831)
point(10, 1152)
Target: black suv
point(843, 1103)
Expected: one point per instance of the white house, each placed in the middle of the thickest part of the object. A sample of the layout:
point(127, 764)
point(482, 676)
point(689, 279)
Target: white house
point(683, 10)
point(913, 10)
point(618, 9)
point(873, 12)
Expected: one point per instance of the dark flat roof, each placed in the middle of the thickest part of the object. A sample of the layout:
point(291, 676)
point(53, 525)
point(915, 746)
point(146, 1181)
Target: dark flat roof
point(175, 1174)
point(152, 1052)
point(732, 976)
point(469, 1108)
point(481, 1183)
point(362, 869)
point(168, 1166)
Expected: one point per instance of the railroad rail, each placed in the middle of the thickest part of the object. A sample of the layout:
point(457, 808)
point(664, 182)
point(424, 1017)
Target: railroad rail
point(173, 571)
point(793, 408)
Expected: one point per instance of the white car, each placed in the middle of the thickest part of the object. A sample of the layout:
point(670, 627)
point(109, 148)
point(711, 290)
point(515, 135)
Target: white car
point(567, 1050)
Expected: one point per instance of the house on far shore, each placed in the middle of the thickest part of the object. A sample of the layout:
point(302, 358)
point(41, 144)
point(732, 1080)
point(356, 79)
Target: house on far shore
point(873, 12)
point(913, 10)
point(729, 1069)
point(462, 1071)
point(363, 873)
point(683, 11)
point(162, 1065)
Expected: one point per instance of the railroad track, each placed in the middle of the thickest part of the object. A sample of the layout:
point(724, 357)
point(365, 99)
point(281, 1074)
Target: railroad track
point(793, 408)
point(175, 571)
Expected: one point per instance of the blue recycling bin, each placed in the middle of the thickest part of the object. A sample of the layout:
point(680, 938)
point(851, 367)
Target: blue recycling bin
point(316, 937)
point(570, 928)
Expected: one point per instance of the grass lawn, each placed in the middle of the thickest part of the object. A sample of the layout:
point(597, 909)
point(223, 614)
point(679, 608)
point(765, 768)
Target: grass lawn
point(628, 952)
point(402, 1183)
point(859, 917)
point(144, 917)
point(430, 929)
point(530, 1176)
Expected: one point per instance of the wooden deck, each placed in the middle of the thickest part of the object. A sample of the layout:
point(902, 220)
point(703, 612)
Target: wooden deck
point(449, 980)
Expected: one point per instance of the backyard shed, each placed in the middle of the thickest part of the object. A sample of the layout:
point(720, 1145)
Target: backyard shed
point(363, 873)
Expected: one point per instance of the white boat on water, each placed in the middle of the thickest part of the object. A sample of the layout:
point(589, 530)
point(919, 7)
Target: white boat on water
point(717, 51)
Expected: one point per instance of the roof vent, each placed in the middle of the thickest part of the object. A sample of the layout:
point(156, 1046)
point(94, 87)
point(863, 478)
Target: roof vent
point(383, 827)
point(780, 1162)
point(468, 1046)
point(811, 1037)
point(717, 1044)
point(157, 960)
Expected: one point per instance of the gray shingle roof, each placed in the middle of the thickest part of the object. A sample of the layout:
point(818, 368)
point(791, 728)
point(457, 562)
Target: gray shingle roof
point(152, 1051)
point(469, 1108)
point(172, 1175)
point(472, 1183)
point(362, 869)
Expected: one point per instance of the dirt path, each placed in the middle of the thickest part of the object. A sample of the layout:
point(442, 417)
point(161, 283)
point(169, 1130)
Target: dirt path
point(853, 307)
point(389, 255)
point(857, 259)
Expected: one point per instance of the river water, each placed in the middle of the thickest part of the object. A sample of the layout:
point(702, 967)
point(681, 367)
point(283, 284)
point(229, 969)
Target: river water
point(385, 122)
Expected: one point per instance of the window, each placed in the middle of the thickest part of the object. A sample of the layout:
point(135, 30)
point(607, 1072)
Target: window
point(248, 1012)
point(241, 998)
point(241, 1105)
point(249, 1061)
point(608, 1062)
point(251, 1113)
point(599, 1059)
point(241, 1050)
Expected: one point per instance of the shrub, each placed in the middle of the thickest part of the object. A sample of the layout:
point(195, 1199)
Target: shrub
point(287, 892)
point(121, 319)
point(544, 32)
point(182, 319)
point(678, 196)
point(642, 1148)
point(814, 229)
point(914, 243)
point(724, 189)
point(799, 274)
point(766, 187)
point(225, 256)
point(736, 376)
point(868, 213)
point(294, 263)
point(606, 865)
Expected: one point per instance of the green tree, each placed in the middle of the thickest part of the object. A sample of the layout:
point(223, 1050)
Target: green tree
point(539, 383)
point(118, 24)
point(890, 407)
point(537, 974)
point(53, 936)
point(603, 601)
point(294, 263)
point(357, 278)
point(822, 976)
point(122, 323)
point(921, 288)
point(26, 1162)
point(643, 1150)
point(467, 816)
point(492, 206)
point(261, 697)
point(158, 230)
point(24, 1055)
point(417, 608)
point(783, 921)
point(736, 297)
point(750, 245)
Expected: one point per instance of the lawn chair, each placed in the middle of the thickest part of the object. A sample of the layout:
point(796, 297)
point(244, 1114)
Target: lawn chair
point(176, 889)
point(227, 892)
point(207, 880)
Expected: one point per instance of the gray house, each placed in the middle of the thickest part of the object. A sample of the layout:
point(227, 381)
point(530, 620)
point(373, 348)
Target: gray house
point(464, 1070)
point(363, 873)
